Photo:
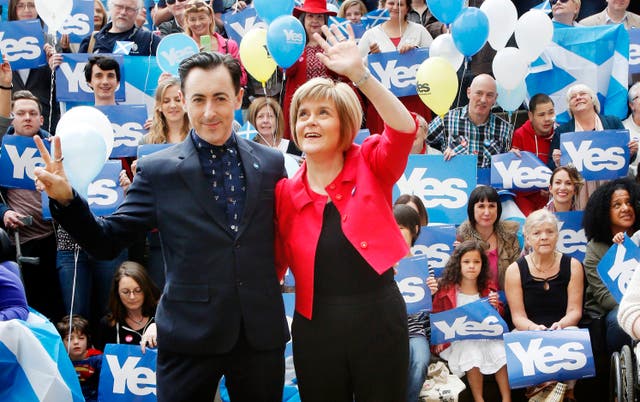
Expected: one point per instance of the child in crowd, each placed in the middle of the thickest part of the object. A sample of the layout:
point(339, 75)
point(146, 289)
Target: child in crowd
point(465, 280)
point(408, 222)
point(76, 338)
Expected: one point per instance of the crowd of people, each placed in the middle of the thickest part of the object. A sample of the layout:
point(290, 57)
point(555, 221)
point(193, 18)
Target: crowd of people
point(193, 259)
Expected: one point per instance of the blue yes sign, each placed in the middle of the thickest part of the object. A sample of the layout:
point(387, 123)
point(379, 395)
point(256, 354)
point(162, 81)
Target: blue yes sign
point(617, 267)
point(526, 172)
point(22, 43)
point(128, 374)
point(534, 357)
point(412, 281)
point(477, 320)
point(18, 159)
point(396, 71)
point(598, 155)
point(436, 243)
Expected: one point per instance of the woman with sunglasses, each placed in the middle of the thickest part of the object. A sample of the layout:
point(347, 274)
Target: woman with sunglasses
point(565, 12)
point(132, 306)
point(176, 23)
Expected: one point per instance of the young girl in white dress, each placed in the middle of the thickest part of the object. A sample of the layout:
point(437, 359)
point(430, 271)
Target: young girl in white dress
point(465, 280)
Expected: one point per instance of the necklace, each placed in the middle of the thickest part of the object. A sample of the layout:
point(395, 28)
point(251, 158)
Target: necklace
point(546, 280)
point(488, 237)
point(139, 322)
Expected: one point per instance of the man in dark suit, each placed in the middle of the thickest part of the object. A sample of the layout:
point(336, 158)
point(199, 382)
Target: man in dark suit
point(212, 199)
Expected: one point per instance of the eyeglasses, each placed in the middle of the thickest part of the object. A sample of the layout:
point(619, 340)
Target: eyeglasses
point(119, 7)
point(553, 2)
point(175, 1)
point(24, 6)
point(128, 292)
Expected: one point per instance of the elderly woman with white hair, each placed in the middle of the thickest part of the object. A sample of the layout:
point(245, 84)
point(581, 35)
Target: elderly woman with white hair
point(584, 109)
point(565, 12)
point(632, 123)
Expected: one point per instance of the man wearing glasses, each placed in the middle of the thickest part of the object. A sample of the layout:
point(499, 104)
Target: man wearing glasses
point(133, 40)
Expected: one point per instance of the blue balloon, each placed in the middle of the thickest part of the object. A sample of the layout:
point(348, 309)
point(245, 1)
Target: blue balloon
point(286, 39)
point(174, 48)
point(445, 11)
point(510, 100)
point(470, 31)
point(269, 10)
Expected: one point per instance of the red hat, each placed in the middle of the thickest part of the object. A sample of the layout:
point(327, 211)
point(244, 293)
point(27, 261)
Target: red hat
point(313, 7)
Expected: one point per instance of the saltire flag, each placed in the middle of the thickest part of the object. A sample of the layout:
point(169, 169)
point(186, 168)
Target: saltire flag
point(377, 17)
point(34, 365)
point(595, 56)
point(545, 7)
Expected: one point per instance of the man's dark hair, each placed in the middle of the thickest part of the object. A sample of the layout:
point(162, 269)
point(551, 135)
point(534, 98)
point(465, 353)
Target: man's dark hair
point(538, 99)
point(104, 62)
point(210, 61)
point(24, 94)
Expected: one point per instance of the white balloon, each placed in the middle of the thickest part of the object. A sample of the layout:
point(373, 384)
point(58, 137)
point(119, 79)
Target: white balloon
point(534, 32)
point(509, 67)
point(444, 47)
point(54, 12)
point(502, 16)
point(92, 117)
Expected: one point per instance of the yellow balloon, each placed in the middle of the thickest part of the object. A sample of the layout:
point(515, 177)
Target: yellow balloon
point(255, 56)
point(437, 84)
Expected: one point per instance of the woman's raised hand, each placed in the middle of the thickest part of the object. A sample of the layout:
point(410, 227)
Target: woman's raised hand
point(51, 178)
point(341, 53)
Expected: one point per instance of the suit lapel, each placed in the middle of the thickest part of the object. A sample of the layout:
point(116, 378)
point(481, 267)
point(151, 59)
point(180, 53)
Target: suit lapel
point(253, 175)
point(190, 170)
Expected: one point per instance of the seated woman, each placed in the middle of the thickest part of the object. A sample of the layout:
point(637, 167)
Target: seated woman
point(497, 237)
point(544, 289)
point(132, 306)
point(564, 186)
point(611, 209)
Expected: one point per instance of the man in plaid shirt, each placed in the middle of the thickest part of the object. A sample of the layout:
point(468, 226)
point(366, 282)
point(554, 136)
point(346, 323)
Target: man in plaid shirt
point(472, 129)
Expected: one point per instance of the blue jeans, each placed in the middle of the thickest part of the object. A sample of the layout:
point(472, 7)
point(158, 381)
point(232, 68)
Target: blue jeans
point(419, 356)
point(616, 337)
point(93, 282)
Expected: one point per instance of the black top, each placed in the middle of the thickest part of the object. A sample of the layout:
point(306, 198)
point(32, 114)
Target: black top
point(340, 270)
point(545, 306)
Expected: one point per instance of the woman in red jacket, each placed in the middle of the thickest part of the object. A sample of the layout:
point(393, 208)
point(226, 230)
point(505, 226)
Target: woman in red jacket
point(337, 233)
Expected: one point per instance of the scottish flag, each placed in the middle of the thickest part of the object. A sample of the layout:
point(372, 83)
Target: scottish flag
point(34, 365)
point(595, 56)
point(377, 17)
point(247, 132)
point(545, 6)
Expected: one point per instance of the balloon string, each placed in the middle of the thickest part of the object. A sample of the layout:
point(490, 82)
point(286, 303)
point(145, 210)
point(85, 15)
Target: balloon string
point(52, 86)
point(464, 71)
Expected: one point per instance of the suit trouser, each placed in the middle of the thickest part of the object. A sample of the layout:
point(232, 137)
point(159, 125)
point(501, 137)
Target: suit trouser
point(250, 374)
point(353, 346)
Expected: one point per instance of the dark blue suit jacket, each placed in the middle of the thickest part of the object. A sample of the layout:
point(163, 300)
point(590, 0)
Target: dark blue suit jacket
point(216, 279)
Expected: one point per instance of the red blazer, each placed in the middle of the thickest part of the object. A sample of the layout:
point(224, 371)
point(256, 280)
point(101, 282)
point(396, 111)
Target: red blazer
point(362, 193)
point(445, 299)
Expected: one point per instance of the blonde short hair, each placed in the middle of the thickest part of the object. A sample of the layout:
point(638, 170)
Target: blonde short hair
point(537, 218)
point(348, 3)
point(583, 88)
point(343, 97)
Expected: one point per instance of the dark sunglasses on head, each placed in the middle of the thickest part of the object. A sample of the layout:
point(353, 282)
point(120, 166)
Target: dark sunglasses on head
point(553, 2)
point(174, 1)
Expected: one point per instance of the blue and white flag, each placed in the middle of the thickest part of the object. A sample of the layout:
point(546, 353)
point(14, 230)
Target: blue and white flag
point(597, 155)
point(35, 364)
point(545, 7)
point(248, 132)
point(123, 47)
point(534, 357)
point(128, 128)
point(436, 243)
point(104, 193)
point(148, 149)
point(527, 172)
point(22, 42)
point(477, 320)
point(236, 25)
point(411, 276)
point(634, 55)
point(127, 374)
point(377, 17)
point(571, 238)
point(343, 23)
point(397, 71)
point(617, 267)
point(141, 81)
point(443, 186)
point(71, 84)
point(595, 56)
point(19, 157)
point(80, 23)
